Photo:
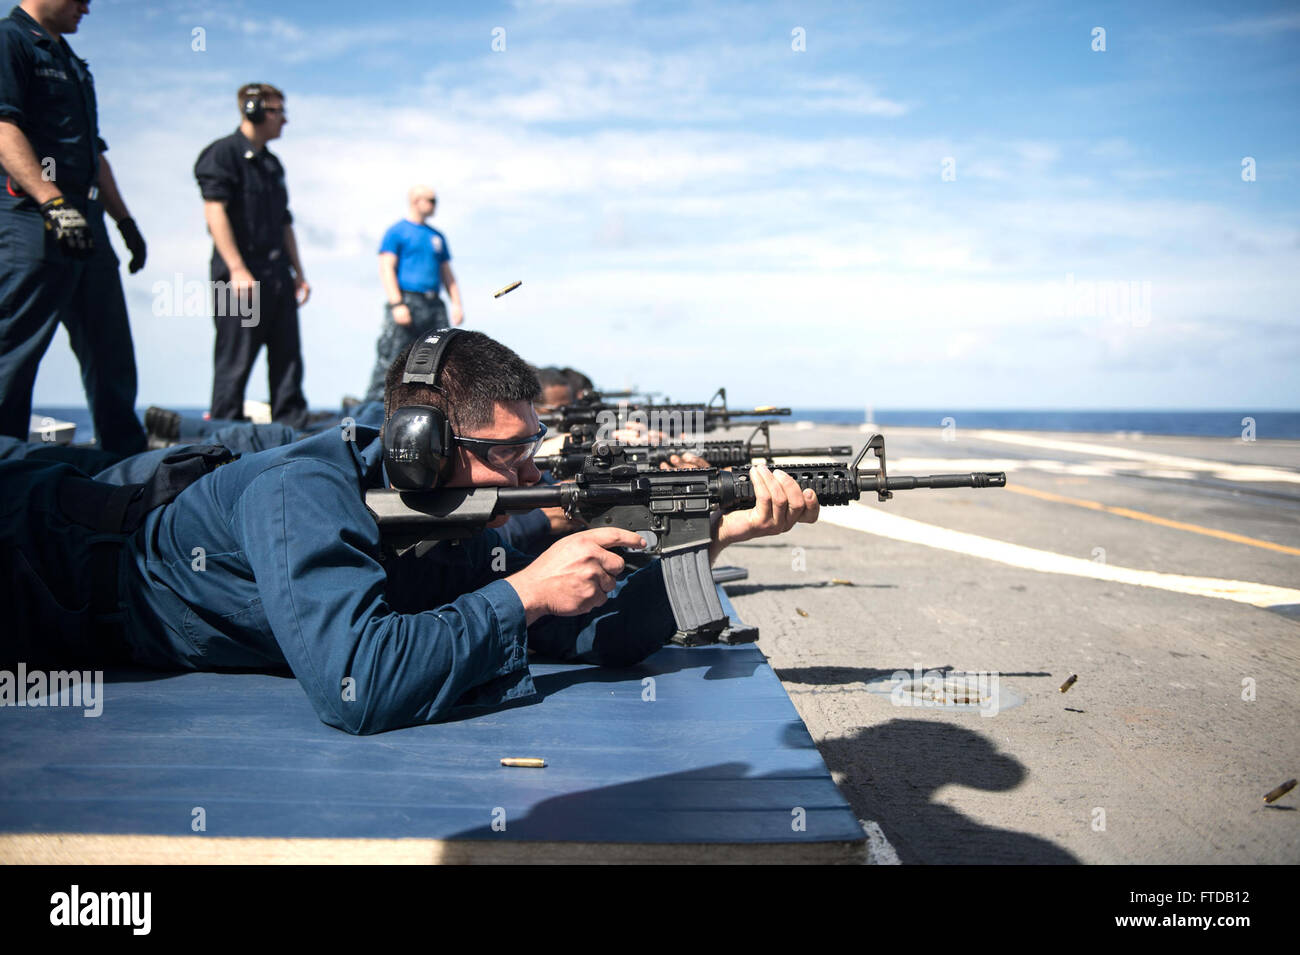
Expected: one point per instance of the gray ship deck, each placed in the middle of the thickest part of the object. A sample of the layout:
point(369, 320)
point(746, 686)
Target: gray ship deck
point(1164, 572)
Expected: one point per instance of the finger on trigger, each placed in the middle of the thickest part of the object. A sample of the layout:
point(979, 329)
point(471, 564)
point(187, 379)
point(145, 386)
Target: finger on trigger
point(608, 537)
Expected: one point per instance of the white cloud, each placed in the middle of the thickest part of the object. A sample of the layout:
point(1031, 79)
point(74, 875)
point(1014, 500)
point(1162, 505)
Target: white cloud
point(671, 230)
point(1256, 27)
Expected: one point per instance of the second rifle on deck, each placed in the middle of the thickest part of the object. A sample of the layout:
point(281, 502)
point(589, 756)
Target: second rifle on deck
point(674, 421)
point(581, 440)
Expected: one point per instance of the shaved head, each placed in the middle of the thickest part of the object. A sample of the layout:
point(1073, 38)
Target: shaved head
point(421, 201)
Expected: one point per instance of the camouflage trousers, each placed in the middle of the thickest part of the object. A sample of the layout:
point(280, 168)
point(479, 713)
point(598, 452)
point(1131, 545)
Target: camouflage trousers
point(428, 313)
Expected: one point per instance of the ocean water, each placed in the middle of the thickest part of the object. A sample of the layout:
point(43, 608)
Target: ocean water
point(1221, 424)
point(1224, 424)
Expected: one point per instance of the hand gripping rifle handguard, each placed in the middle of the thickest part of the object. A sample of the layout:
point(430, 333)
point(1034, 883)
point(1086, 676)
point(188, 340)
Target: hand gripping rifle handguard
point(672, 510)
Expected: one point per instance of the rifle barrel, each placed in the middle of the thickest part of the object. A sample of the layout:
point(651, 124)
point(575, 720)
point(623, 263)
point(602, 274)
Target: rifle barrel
point(836, 451)
point(971, 479)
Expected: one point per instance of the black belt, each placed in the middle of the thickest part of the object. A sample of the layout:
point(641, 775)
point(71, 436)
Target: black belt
point(428, 295)
point(101, 507)
point(261, 257)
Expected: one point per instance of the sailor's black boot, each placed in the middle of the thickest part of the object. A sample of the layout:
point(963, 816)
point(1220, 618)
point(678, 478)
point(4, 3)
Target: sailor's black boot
point(163, 426)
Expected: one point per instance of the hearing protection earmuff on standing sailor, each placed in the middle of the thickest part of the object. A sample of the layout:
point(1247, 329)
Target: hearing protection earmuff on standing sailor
point(255, 106)
point(418, 444)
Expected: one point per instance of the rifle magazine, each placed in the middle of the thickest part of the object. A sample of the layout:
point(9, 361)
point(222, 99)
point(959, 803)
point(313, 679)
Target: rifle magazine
point(689, 581)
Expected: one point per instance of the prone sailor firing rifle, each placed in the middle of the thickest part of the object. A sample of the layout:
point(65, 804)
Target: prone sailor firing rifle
point(273, 562)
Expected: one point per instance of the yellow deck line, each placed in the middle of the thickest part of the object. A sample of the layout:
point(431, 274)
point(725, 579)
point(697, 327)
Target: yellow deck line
point(1152, 519)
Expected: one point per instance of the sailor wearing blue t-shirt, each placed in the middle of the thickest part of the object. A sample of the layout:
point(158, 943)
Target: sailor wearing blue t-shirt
point(414, 263)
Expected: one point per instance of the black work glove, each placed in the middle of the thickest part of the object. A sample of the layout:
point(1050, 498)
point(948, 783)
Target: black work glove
point(70, 228)
point(135, 242)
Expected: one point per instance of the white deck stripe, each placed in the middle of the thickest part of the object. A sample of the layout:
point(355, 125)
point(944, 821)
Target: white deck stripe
point(873, 520)
point(879, 849)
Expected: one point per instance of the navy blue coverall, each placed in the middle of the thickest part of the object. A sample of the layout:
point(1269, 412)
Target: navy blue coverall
point(48, 92)
point(290, 576)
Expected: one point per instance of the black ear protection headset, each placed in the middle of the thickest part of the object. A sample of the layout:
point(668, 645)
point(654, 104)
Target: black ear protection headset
point(255, 106)
point(418, 442)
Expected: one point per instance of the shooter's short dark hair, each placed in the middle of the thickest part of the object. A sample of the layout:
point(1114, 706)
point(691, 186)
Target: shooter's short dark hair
point(578, 381)
point(551, 376)
point(265, 91)
point(477, 373)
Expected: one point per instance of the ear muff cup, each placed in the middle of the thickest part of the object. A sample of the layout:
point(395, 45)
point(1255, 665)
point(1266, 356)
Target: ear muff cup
point(255, 110)
point(418, 448)
point(417, 438)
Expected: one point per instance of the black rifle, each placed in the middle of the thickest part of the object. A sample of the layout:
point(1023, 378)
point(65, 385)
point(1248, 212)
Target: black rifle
point(589, 396)
point(672, 510)
point(674, 420)
point(581, 441)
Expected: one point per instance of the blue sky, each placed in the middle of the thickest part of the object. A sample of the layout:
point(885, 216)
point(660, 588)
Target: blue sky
point(690, 202)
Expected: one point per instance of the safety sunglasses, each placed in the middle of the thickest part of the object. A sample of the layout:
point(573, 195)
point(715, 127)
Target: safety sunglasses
point(503, 455)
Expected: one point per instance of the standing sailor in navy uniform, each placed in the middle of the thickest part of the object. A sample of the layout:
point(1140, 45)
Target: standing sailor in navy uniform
point(254, 260)
point(56, 261)
point(414, 261)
